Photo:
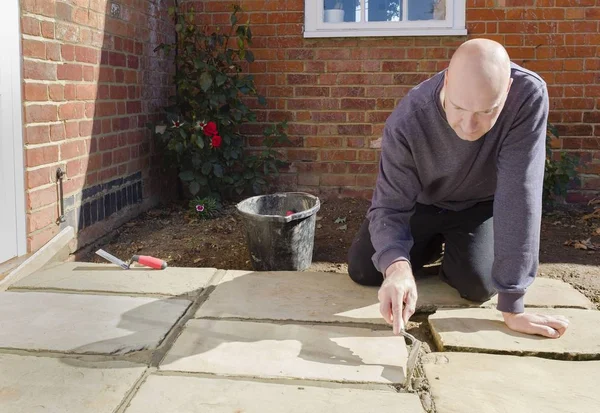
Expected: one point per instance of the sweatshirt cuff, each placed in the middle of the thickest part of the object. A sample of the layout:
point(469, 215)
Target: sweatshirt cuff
point(511, 302)
point(387, 258)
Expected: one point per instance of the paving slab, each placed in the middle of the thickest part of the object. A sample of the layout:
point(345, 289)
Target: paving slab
point(487, 383)
point(172, 394)
point(54, 385)
point(266, 350)
point(92, 277)
point(333, 297)
point(483, 330)
point(83, 323)
point(290, 295)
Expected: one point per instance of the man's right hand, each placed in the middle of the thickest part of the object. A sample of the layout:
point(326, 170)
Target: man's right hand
point(398, 295)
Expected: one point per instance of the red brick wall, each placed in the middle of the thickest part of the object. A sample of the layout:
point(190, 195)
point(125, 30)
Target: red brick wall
point(337, 93)
point(90, 83)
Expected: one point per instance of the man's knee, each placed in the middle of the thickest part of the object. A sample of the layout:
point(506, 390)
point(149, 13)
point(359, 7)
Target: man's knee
point(478, 292)
point(360, 266)
point(363, 272)
point(471, 283)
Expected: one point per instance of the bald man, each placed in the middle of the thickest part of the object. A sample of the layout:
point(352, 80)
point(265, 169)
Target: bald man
point(462, 164)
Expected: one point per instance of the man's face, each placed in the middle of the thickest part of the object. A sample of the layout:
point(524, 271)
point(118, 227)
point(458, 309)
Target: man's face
point(472, 111)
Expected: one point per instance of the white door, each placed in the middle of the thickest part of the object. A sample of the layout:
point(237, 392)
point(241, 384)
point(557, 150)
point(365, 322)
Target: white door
point(12, 205)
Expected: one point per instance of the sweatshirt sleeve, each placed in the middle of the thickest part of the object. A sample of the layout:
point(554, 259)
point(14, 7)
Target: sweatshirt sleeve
point(518, 202)
point(394, 200)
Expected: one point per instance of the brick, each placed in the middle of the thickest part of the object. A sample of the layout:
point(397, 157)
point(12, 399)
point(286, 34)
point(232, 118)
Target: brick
point(338, 180)
point(36, 92)
point(67, 32)
point(39, 177)
point(80, 16)
point(338, 155)
point(48, 29)
point(344, 66)
point(366, 180)
point(30, 25)
point(37, 134)
point(72, 149)
point(64, 11)
point(34, 48)
point(41, 156)
point(70, 92)
point(312, 91)
point(321, 142)
point(355, 142)
point(40, 113)
point(42, 218)
point(288, 17)
point(69, 71)
point(355, 130)
point(117, 59)
point(358, 104)
point(57, 132)
point(575, 51)
point(86, 92)
point(36, 70)
point(301, 155)
point(578, 27)
point(71, 110)
point(74, 185)
point(363, 168)
point(369, 155)
point(348, 91)
point(37, 240)
point(118, 92)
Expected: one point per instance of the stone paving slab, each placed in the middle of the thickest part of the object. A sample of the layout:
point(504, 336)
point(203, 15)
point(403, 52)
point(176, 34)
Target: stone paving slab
point(108, 278)
point(290, 295)
point(86, 323)
point(333, 297)
point(176, 394)
point(483, 330)
point(266, 350)
point(487, 383)
point(54, 385)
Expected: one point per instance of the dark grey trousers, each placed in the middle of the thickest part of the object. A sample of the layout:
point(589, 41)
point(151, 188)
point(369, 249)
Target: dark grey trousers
point(468, 256)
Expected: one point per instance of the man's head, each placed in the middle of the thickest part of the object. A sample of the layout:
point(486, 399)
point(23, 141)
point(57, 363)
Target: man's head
point(476, 85)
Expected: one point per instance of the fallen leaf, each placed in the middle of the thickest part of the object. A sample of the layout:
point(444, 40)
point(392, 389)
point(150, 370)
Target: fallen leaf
point(595, 214)
point(582, 244)
point(319, 218)
point(598, 231)
point(340, 220)
point(319, 226)
point(343, 227)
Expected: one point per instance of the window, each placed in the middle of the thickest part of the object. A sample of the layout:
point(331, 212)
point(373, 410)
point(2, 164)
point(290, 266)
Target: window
point(359, 18)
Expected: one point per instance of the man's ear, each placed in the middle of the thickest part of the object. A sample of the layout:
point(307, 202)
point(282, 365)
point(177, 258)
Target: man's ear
point(509, 85)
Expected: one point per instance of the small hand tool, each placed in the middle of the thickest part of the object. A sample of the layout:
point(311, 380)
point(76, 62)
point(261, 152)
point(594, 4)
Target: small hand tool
point(146, 260)
point(413, 356)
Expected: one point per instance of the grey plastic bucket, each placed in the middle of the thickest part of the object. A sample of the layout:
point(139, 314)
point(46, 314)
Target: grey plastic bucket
point(278, 242)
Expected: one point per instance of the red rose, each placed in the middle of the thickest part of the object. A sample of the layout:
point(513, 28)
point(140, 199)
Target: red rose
point(216, 141)
point(210, 129)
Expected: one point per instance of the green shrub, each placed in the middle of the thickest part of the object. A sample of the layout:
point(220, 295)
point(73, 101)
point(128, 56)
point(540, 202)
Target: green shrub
point(558, 174)
point(200, 132)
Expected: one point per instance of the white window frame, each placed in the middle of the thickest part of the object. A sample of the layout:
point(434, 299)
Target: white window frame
point(454, 25)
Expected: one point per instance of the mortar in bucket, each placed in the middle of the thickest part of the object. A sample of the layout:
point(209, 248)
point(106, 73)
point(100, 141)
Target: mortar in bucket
point(280, 230)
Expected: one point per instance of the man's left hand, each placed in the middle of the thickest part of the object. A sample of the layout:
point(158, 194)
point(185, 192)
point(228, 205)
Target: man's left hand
point(543, 325)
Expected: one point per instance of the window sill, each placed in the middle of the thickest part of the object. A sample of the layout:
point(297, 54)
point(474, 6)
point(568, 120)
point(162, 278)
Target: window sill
point(384, 32)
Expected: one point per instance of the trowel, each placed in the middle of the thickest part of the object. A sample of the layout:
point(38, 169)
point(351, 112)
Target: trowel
point(413, 356)
point(146, 260)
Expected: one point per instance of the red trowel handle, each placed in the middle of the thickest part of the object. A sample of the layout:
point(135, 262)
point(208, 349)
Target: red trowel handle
point(151, 262)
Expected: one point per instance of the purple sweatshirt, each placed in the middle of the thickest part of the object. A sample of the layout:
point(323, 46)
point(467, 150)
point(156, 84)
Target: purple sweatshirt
point(424, 161)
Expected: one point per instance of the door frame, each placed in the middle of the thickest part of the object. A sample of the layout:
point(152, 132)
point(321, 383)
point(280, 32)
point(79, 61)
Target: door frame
point(12, 36)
